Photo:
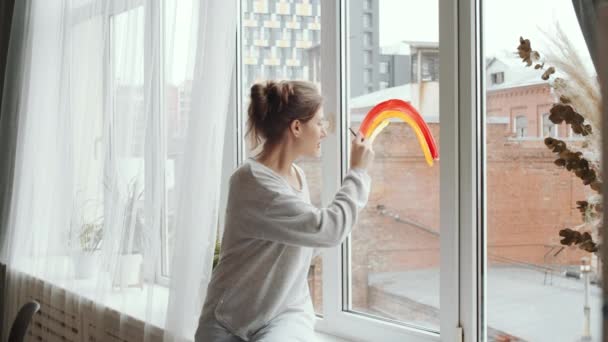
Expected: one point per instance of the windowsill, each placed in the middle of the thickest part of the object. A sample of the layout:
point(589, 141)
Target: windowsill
point(133, 301)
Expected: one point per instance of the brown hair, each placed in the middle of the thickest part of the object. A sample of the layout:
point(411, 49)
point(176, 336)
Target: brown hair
point(275, 105)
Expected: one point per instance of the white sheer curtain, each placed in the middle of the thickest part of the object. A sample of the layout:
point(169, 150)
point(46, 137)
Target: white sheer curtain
point(120, 110)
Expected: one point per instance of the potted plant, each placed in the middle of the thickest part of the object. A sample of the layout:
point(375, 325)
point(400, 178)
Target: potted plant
point(89, 238)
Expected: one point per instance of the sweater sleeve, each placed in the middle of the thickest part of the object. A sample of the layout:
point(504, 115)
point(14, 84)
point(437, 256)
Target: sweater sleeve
point(290, 220)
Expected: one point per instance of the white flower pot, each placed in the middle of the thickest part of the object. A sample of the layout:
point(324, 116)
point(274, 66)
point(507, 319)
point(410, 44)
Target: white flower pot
point(84, 265)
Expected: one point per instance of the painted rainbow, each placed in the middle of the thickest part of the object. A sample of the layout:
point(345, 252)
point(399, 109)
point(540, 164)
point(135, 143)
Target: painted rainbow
point(379, 117)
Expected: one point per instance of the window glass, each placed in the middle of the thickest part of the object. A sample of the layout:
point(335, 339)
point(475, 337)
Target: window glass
point(536, 285)
point(394, 265)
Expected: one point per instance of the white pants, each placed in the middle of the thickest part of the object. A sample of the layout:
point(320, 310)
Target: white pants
point(290, 326)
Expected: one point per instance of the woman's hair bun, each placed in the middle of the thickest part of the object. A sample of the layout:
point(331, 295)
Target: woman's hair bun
point(275, 104)
point(277, 95)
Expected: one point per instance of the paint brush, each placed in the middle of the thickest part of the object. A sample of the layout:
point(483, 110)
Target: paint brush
point(355, 134)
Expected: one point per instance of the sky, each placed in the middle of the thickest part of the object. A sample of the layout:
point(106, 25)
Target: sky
point(504, 22)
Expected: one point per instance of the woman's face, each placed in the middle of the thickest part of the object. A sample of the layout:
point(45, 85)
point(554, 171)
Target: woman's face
point(313, 132)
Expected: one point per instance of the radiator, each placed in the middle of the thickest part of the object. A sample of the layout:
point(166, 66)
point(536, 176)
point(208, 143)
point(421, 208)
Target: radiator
point(67, 317)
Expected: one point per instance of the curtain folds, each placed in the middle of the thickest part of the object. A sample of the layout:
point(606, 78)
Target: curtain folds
point(114, 125)
point(586, 13)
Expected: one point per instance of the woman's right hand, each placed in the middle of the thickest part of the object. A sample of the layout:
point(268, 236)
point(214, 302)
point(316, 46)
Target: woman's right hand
point(361, 153)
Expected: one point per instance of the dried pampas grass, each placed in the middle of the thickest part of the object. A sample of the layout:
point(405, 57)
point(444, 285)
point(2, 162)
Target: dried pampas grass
point(580, 89)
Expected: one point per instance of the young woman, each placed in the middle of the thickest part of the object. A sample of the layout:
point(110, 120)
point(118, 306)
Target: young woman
point(259, 289)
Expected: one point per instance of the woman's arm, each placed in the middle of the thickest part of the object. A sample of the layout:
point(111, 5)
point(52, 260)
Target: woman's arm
point(290, 220)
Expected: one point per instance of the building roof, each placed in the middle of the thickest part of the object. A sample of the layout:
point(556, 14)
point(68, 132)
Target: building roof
point(516, 73)
point(402, 92)
point(405, 47)
point(421, 44)
point(360, 105)
point(519, 302)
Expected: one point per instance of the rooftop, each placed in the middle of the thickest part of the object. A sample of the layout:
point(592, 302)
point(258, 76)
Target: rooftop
point(519, 303)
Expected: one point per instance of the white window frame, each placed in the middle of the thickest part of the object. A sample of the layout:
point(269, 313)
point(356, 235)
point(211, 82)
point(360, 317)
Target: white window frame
point(462, 140)
point(156, 149)
point(462, 175)
point(232, 146)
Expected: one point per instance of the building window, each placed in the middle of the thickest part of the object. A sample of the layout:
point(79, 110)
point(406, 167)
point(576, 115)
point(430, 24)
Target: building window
point(498, 77)
point(305, 34)
point(367, 5)
point(549, 128)
point(383, 66)
point(367, 57)
point(367, 39)
point(383, 84)
point(367, 20)
point(430, 66)
point(272, 72)
point(367, 76)
point(521, 126)
point(415, 68)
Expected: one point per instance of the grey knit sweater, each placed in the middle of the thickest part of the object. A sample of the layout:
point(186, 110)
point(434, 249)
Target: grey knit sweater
point(270, 232)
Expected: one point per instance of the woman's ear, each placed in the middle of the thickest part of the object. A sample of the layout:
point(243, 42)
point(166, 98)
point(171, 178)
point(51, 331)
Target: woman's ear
point(296, 128)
